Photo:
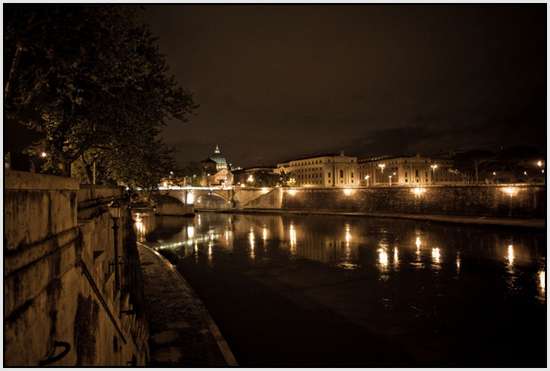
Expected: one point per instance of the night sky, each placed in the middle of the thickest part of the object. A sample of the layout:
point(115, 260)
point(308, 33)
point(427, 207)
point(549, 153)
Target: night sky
point(278, 81)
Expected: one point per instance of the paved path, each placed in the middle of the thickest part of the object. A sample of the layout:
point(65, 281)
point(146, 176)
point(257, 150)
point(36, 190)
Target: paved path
point(477, 220)
point(182, 333)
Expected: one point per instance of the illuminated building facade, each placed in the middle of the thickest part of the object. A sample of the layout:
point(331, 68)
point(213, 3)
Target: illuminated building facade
point(329, 170)
point(216, 169)
point(407, 171)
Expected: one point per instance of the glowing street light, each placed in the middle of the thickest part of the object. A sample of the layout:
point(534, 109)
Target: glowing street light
point(434, 167)
point(348, 191)
point(43, 154)
point(389, 176)
point(539, 163)
point(418, 191)
point(510, 191)
point(367, 179)
point(382, 166)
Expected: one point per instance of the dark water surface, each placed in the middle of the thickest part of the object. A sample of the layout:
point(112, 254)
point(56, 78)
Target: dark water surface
point(343, 291)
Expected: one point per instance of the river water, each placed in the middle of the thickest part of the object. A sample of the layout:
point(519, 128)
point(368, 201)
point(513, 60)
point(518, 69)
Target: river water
point(297, 290)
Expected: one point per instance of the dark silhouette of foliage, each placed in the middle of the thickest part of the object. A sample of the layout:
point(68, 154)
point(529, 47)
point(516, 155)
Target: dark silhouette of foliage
point(92, 81)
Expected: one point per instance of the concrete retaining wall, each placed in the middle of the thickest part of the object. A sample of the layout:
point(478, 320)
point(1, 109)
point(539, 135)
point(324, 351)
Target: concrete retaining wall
point(61, 307)
point(521, 201)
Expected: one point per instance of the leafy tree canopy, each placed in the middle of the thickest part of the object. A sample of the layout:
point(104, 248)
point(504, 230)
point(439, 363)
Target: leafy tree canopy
point(92, 81)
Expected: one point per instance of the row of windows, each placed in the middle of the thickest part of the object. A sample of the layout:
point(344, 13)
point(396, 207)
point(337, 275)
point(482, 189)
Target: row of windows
point(312, 162)
point(306, 170)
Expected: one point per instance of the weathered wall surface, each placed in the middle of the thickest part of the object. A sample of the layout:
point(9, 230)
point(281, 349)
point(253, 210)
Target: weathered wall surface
point(272, 199)
point(495, 201)
point(171, 206)
point(61, 304)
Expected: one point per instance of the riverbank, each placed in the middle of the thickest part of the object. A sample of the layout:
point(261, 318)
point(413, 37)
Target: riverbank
point(453, 219)
point(182, 333)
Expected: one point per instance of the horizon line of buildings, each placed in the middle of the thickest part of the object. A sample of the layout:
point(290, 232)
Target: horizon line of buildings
point(339, 170)
point(334, 170)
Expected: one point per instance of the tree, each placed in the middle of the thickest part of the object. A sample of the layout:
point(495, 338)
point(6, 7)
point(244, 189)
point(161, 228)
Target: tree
point(92, 81)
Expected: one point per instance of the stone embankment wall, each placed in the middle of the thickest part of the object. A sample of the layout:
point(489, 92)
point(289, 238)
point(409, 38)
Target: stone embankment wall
point(517, 201)
point(61, 304)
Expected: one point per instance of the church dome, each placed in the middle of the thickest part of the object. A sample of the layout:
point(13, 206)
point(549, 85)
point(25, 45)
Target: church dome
point(218, 158)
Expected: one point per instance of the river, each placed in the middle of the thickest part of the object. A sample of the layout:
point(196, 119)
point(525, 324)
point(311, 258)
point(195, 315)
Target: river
point(297, 290)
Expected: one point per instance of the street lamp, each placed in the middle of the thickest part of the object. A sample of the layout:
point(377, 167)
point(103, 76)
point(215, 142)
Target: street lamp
point(367, 179)
point(43, 154)
point(389, 176)
point(115, 209)
point(382, 166)
point(434, 167)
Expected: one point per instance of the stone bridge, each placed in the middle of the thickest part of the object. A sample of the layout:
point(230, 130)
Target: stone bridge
point(227, 197)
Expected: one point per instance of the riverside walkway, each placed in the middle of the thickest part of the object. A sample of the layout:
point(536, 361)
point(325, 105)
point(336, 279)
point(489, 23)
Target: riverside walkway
point(182, 333)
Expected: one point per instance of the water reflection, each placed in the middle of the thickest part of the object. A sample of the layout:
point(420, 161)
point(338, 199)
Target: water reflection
point(190, 231)
point(347, 236)
point(383, 247)
point(542, 282)
point(510, 256)
point(418, 253)
point(252, 242)
point(293, 238)
point(383, 260)
point(436, 258)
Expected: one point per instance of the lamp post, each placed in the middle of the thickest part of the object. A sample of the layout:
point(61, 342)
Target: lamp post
point(389, 176)
point(381, 166)
point(250, 179)
point(367, 179)
point(115, 210)
point(434, 167)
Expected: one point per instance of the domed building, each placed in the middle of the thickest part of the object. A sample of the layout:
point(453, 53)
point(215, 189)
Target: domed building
point(216, 169)
point(218, 158)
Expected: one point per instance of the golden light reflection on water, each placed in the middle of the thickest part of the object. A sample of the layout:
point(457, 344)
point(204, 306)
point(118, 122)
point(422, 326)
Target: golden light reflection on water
point(542, 282)
point(293, 238)
point(347, 235)
point(383, 260)
point(252, 242)
point(418, 243)
point(436, 258)
point(436, 255)
point(510, 256)
point(190, 231)
point(390, 252)
point(210, 244)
